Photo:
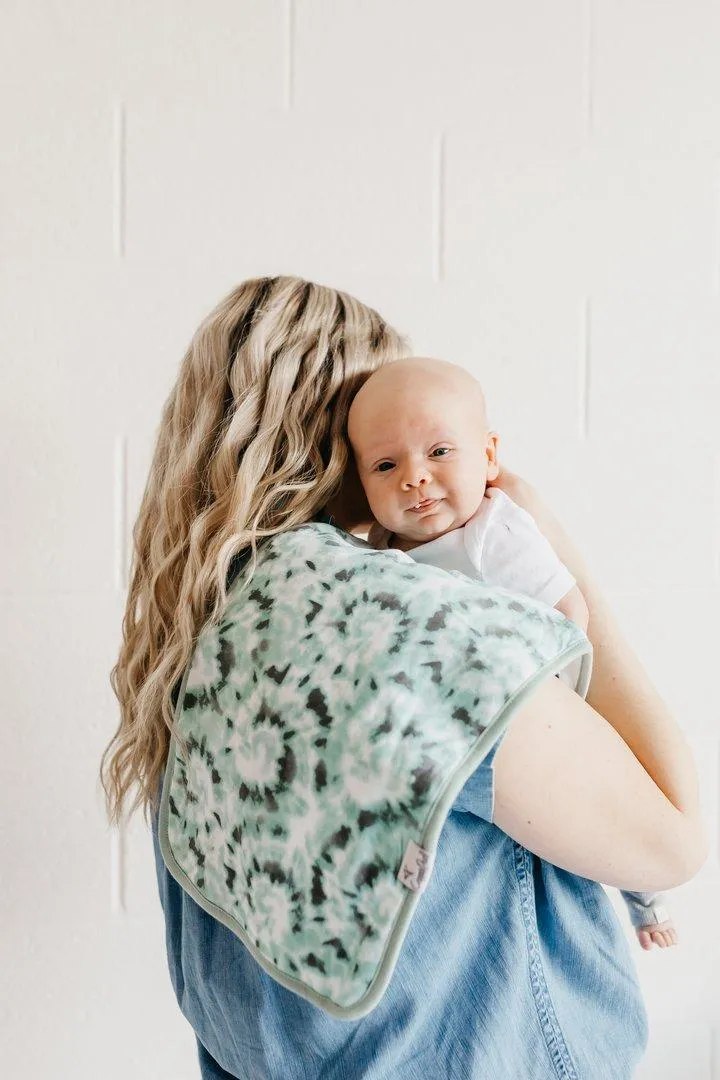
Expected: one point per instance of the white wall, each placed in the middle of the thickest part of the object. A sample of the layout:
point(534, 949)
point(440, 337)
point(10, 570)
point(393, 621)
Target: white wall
point(530, 189)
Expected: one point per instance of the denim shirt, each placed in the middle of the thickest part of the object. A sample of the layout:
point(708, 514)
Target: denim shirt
point(512, 969)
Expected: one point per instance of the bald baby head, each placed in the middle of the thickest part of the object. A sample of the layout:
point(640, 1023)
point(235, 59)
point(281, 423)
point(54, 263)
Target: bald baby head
point(418, 430)
point(419, 384)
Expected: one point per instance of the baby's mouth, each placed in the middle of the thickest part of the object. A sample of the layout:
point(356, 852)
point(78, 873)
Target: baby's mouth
point(424, 505)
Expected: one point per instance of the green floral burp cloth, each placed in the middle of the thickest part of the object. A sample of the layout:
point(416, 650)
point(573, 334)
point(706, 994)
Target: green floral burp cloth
point(332, 716)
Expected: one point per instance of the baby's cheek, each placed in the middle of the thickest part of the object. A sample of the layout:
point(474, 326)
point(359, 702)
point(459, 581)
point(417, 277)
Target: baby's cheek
point(470, 490)
point(376, 499)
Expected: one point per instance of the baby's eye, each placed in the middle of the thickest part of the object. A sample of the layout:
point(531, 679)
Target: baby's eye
point(441, 450)
point(381, 468)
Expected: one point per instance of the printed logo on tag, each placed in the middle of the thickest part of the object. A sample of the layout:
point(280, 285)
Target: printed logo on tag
point(415, 868)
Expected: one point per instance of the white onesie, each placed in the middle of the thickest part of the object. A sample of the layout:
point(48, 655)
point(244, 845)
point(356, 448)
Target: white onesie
point(499, 545)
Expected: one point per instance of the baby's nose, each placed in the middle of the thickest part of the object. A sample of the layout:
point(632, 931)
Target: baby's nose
point(415, 475)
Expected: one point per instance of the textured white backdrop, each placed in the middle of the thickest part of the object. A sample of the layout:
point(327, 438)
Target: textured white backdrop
point(530, 189)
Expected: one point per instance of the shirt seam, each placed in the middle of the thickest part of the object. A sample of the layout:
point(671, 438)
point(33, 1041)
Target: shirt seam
point(557, 1048)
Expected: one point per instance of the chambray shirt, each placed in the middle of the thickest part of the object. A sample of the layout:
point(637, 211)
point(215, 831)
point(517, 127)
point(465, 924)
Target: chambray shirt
point(512, 969)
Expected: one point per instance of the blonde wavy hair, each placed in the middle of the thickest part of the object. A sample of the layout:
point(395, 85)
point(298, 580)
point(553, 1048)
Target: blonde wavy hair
point(251, 442)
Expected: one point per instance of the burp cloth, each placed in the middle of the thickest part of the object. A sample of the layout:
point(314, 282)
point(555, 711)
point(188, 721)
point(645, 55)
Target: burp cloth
point(332, 716)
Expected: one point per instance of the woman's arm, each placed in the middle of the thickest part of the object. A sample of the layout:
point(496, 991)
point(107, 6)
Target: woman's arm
point(572, 605)
point(568, 788)
point(620, 688)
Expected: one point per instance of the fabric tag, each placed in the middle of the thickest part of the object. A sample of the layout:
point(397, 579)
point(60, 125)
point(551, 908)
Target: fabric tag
point(415, 868)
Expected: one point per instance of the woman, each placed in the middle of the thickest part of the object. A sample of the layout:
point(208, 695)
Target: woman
point(514, 966)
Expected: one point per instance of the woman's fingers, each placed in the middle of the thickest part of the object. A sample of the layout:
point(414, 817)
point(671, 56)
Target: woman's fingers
point(514, 487)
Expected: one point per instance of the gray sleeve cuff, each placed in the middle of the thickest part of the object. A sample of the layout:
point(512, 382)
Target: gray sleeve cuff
point(645, 909)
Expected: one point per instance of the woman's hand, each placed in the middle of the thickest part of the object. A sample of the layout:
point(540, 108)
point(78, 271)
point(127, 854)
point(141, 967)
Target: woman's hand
point(517, 489)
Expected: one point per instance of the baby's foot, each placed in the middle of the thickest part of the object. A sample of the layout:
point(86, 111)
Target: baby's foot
point(662, 934)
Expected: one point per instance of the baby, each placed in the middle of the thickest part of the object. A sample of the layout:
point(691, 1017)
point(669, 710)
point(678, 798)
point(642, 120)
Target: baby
point(424, 455)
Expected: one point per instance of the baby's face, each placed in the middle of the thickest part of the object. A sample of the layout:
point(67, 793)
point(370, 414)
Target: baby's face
point(422, 449)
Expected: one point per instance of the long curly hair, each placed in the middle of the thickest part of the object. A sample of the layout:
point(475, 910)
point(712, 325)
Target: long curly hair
point(251, 442)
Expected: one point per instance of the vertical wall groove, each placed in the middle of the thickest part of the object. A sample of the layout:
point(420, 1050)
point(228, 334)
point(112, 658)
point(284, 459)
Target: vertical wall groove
point(438, 208)
point(120, 513)
point(117, 869)
point(584, 373)
point(119, 180)
point(715, 540)
point(589, 68)
point(289, 58)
